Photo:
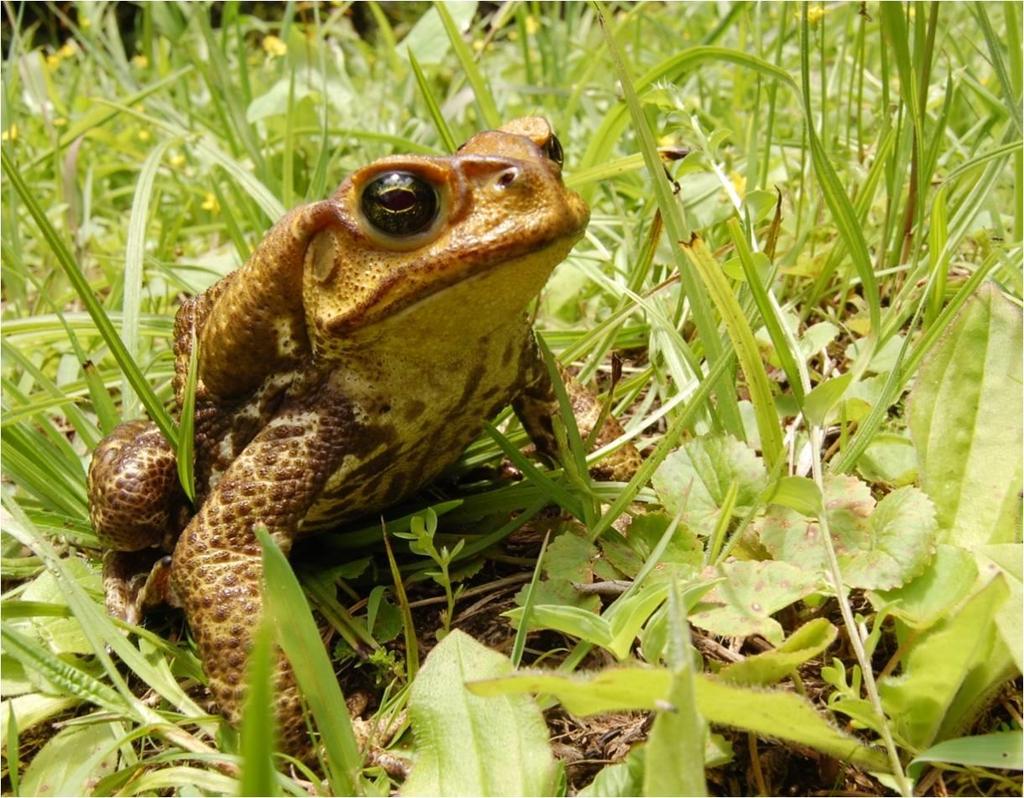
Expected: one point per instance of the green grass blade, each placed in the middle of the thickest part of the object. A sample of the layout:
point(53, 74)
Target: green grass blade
point(519, 643)
point(555, 492)
point(99, 115)
point(995, 54)
point(481, 91)
point(257, 732)
point(665, 446)
point(296, 633)
point(63, 675)
point(185, 453)
point(836, 199)
point(134, 255)
point(13, 750)
point(746, 348)
point(679, 232)
point(67, 263)
point(440, 123)
point(102, 635)
point(899, 378)
point(767, 307)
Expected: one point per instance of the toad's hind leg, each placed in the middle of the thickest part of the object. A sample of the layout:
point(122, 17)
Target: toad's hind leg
point(217, 570)
point(137, 508)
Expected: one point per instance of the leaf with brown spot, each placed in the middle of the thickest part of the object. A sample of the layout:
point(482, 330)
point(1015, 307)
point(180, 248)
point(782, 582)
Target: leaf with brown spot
point(879, 547)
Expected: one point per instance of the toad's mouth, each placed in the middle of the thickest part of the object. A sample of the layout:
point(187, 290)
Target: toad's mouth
point(502, 284)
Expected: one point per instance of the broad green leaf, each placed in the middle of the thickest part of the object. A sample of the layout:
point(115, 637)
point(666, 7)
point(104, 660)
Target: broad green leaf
point(57, 674)
point(769, 667)
point(979, 688)
point(890, 459)
point(634, 608)
point(742, 604)
point(675, 748)
point(619, 780)
point(629, 552)
point(625, 778)
point(72, 758)
point(937, 665)
point(929, 597)
point(693, 481)
point(996, 750)
point(878, 546)
point(427, 39)
point(569, 560)
point(825, 396)
point(816, 338)
point(574, 621)
point(779, 714)
point(785, 715)
point(468, 744)
point(966, 421)
point(609, 690)
point(799, 493)
point(1007, 558)
point(274, 101)
point(62, 635)
point(32, 709)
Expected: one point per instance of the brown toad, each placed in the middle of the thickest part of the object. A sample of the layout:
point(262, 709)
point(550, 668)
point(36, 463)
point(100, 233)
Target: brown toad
point(349, 361)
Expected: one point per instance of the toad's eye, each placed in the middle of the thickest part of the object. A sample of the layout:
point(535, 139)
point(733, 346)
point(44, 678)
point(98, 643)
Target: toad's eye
point(553, 149)
point(399, 203)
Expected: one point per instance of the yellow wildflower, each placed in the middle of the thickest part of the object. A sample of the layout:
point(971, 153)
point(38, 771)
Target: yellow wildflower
point(84, 23)
point(60, 121)
point(140, 61)
point(177, 160)
point(68, 50)
point(144, 135)
point(478, 45)
point(814, 14)
point(53, 60)
point(274, 46)
point(11, 134)
point(532, 25)
point(210, 203)
point(739, 182)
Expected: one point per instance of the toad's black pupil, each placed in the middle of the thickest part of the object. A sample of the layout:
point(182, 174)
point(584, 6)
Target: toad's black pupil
point(553, 149)
point(399, 203)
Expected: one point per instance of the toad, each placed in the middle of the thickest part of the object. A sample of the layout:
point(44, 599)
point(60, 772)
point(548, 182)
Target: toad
point(349, 361)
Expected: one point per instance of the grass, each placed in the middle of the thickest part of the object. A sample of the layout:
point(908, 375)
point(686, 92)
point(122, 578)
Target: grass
point(780, 309)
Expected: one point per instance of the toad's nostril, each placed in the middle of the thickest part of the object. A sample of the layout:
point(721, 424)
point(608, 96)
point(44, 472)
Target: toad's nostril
point(507, 177)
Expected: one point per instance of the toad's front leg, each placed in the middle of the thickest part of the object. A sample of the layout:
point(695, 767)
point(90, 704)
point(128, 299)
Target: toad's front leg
point(217, 570)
